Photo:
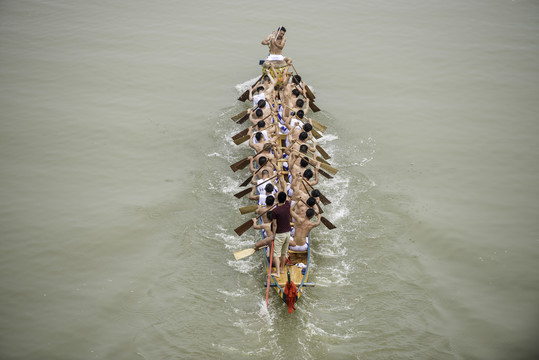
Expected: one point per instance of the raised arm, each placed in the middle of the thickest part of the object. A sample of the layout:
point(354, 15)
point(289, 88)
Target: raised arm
point(252, 195)
point(267, 40)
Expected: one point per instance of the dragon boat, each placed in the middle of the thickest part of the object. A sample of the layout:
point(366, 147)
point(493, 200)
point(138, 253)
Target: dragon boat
point(292, 285)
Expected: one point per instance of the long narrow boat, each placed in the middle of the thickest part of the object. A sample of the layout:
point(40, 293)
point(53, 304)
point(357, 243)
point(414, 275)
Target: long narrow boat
point(291, 285)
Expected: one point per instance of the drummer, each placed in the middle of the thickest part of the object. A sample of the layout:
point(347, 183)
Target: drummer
point(276, 42)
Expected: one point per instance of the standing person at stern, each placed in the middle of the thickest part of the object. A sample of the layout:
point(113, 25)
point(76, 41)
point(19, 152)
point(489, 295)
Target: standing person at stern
point(281, 215)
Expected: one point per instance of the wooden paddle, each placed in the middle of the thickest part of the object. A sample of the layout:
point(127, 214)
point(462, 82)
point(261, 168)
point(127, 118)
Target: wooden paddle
point(328, 168)
point(316, 134)
point(246, 130)
point(246, 116)
point(322, 152)
point(313, 106)
point(328, 223)
point(321, 159)
point(245, 95)
point(243, 119)
point(322, 172)
point(248, 209)
point(323, 199)
point(318, 126)
point(242, 133)
point(245, 161)
point(246, 252)
point(240, 164)
point(310, 94)
point(243, 193)
point(325, 174)
point(241, 140)
point(248, 190)
point(239, 115)
point(247, 225)
point(324, 221)
point(269, 273)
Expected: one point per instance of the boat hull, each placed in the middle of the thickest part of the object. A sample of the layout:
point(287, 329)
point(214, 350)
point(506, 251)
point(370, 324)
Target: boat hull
point(298, 275)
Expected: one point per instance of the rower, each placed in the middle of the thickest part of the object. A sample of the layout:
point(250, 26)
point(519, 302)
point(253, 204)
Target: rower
point(302, 226)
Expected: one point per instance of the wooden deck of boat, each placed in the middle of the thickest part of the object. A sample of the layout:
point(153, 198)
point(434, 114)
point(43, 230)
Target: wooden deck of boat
point(296, 276)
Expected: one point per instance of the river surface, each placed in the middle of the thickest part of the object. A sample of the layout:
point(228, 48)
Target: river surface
point(117, 214)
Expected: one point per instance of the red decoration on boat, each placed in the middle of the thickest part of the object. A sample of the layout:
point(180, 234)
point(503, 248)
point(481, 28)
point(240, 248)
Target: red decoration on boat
point(291, 293)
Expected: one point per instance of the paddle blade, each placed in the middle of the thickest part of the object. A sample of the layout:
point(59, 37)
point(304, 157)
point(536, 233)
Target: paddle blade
point(244, 227)
point(240, 164)
point(241, 140)
point(247, 181)
point(243, 119)
point(248, 209)
point(329, 168)
point(239, 116)
point(322, 160)
point(244, 253)
point(318, 126)
point(324, 200)
point(328, 223)
point(324, 174)
point(316, 134)
point(242, 193)
point(322, 152)
point(244, 96)
point(313, 106)
point(310, 94)
point(240, 134)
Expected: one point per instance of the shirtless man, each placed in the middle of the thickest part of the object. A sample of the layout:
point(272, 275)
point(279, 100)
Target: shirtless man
point(276, 42)
point(299, 166)
point(308, 174)
point(268, 189)
point(261, 112)
point(302, 225)
point(303, 205)
point(267, 231)
point(269, 85)
point(297, 126)
point(291, 92)
point(300, 104)
point(264, 161)
point(256, 141)
point(257, 94)
point(303, 137)
point(261, 210)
